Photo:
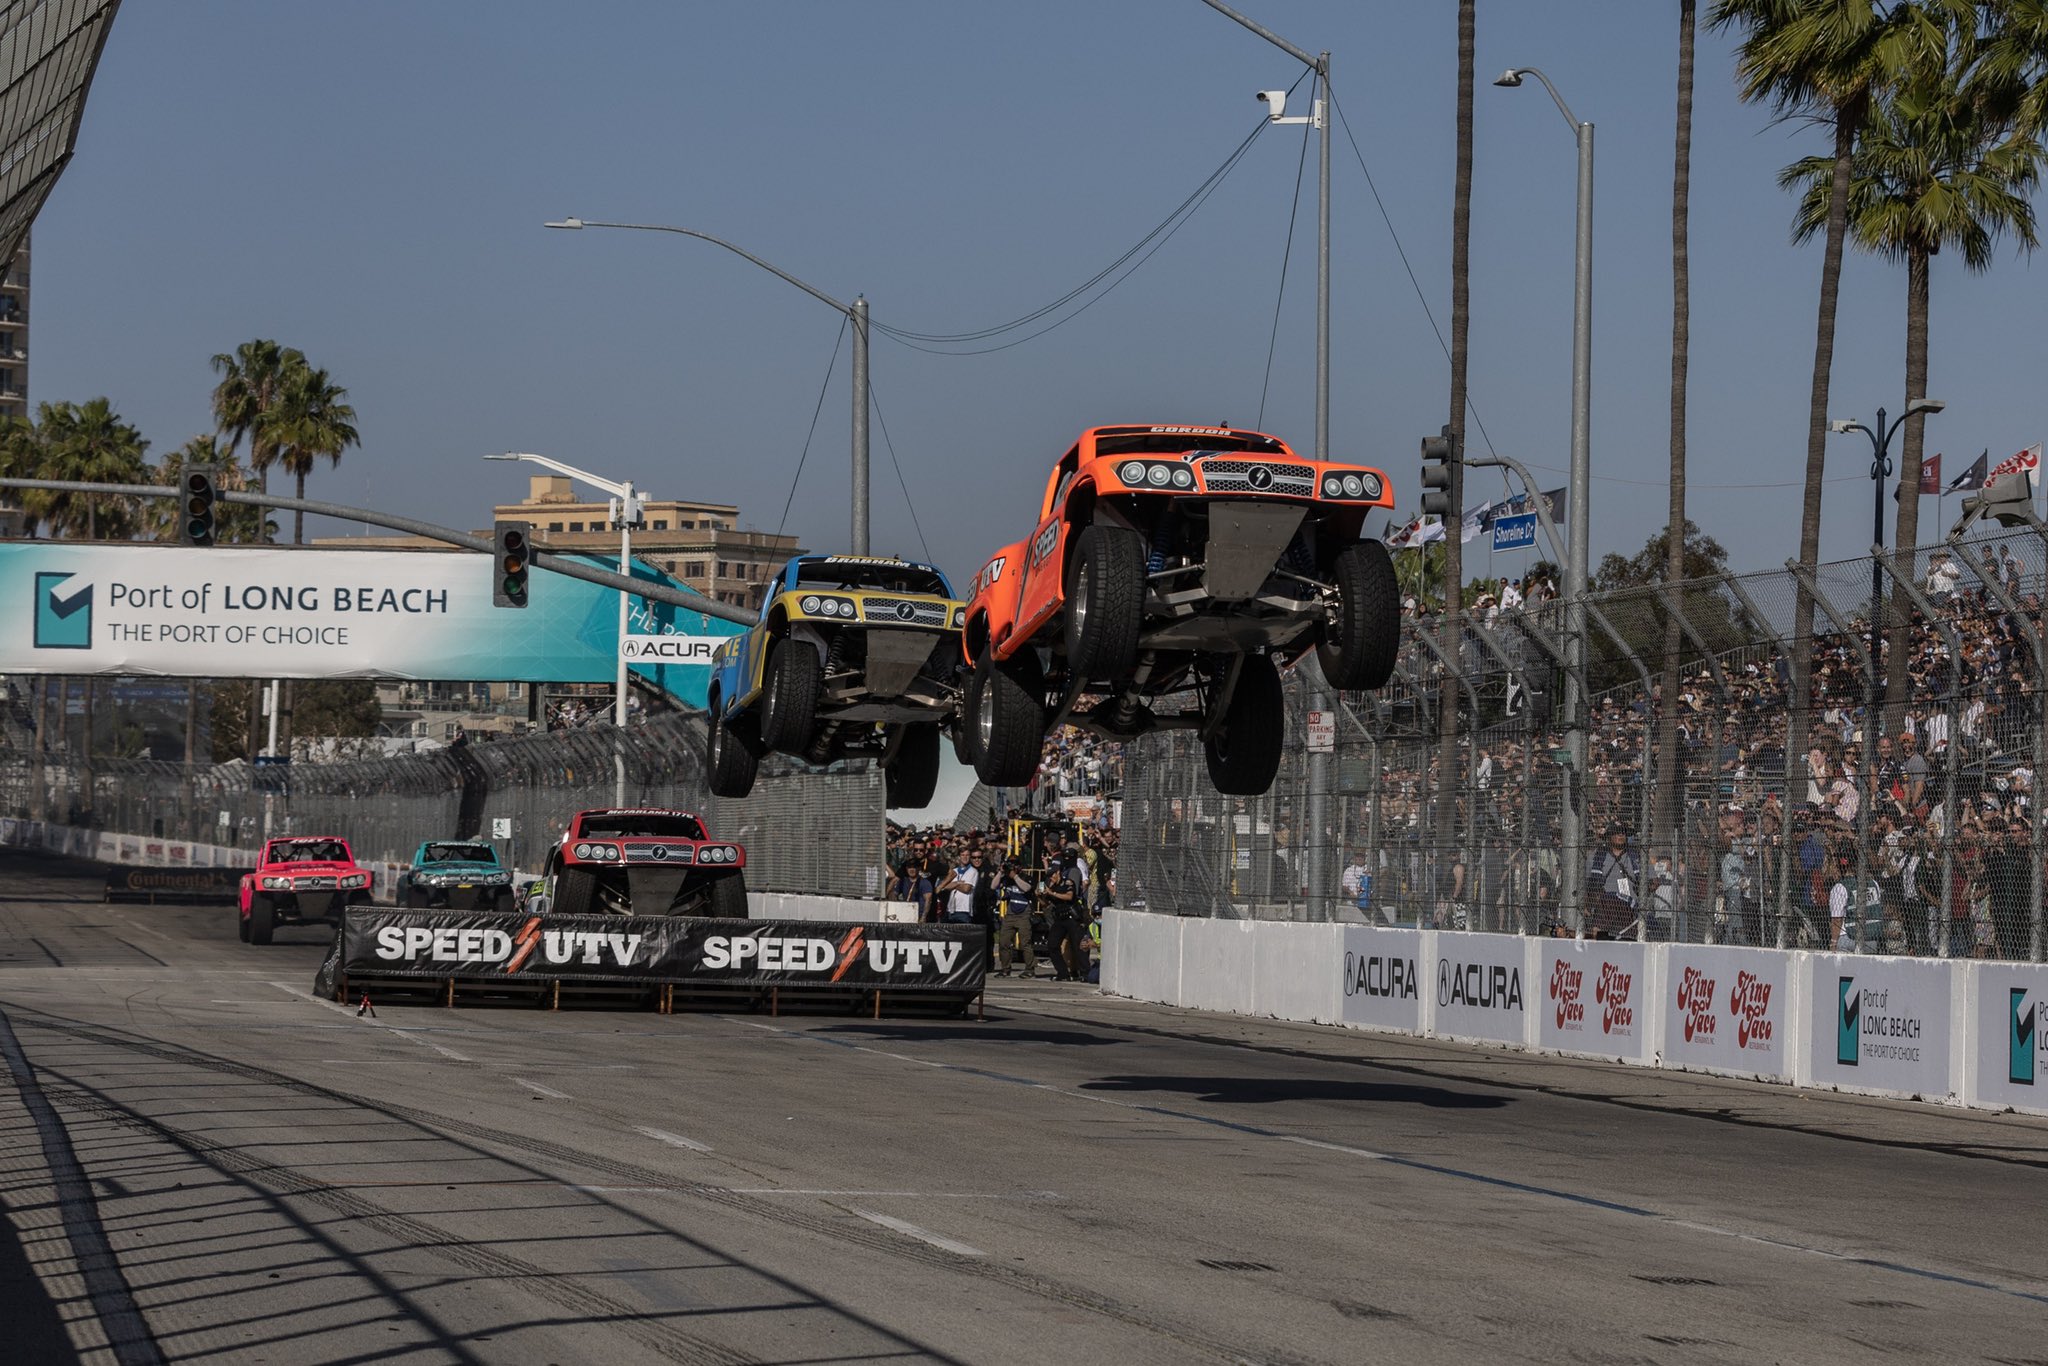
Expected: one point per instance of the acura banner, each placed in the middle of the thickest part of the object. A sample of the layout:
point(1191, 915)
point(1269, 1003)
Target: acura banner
point(377, 942)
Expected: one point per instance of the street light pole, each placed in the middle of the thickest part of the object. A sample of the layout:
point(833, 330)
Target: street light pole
point(1321, 766)
point(626, 512)
point(1873, 707)
point(1579, 510)
point(856, 313)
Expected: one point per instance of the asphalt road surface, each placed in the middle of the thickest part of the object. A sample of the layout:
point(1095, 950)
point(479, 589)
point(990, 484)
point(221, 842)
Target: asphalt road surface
point(201, 1162)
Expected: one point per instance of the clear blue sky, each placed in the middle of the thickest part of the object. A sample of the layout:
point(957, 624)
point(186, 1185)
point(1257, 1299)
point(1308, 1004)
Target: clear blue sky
point(368, 181)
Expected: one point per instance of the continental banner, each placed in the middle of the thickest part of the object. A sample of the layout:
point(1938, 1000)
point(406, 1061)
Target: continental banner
point(252, 612)
point(174, 884)
point(377, 942)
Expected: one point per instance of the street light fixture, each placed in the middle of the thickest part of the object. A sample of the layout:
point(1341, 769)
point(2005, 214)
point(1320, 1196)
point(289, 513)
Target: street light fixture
point(626, 511)
point(1880, 470)
point(1579, 514)
point(857, 312)
point(1873, 709)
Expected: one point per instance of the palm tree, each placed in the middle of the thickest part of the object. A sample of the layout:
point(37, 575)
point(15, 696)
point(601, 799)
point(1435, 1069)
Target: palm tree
point(1938, 166)
point(311, 420)
point(252, 382)
point(89, 442)
point(1668, 796)
point(1821, 60)
point(1461, 316)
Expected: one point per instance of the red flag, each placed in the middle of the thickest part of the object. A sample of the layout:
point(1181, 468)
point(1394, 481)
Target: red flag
point(1930, 475)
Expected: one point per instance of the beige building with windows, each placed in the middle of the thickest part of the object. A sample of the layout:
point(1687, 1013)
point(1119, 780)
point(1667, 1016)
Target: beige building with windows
point(698, 544)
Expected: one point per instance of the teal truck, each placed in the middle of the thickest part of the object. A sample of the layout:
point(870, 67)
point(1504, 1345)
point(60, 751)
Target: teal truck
point(458, 875)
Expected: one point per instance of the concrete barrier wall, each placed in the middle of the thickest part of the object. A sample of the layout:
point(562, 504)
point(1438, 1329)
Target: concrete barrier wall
point(1958, 1032)
point(842, 910)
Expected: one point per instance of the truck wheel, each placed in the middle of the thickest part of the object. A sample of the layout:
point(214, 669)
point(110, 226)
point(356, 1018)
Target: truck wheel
point(503, 902)
point(1009, 719)
point(731, 760)
point(1244, 751)
point(1105, 603)
point(964, 731)
point(412, 898)
point(795, 678)
point(1363, 633)
point(915, 774)
point(729, 895)
point(242, 927)
point(575, 891)
point(262, 919)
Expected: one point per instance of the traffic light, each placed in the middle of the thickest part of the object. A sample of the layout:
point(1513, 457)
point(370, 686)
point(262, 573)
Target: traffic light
point(1439, 454)
point(510, 567)
point(196, 505)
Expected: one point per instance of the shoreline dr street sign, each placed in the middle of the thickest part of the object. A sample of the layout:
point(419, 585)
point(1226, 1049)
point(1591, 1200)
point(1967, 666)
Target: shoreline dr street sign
point(236, 612)
point(1514, 533)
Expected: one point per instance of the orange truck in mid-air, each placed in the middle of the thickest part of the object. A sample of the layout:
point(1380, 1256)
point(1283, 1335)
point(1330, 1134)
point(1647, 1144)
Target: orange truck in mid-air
point(1172, 571)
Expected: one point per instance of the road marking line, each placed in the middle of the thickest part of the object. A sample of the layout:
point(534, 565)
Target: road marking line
point(910, 1230)
point(673, 1140)
point(544, 1090)
point(400, 1031)
point(1416, 1164)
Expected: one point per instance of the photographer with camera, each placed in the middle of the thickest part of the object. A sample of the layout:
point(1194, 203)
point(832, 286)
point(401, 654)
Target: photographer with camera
point(1068, 917)
point(1013, 934)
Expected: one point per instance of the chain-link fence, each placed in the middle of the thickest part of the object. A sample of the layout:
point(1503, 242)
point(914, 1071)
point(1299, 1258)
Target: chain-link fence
point(804, 831)
point(1749, 812)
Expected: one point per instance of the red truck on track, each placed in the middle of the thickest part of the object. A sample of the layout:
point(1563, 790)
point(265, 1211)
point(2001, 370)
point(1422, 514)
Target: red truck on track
point(645, 861)
point(300, 880)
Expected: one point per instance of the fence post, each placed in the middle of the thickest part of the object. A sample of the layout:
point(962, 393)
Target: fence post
point(1855, 638)
point(1471, 749)
point(1904, 583)
point(1600, 619)
point(1724, 695)
point(2038, 639)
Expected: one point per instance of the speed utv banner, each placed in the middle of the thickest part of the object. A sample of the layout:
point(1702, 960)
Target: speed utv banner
point(376, 942)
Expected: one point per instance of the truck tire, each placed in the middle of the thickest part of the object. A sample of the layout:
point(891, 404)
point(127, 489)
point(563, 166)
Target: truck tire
point(965, 747)
point(262, 919)
point(1009, 719)
point(1105, 603)
point(242, 928)
point(412, 898)
point(575, 891)
point(1363, 634)
point(789, 713)
point(914, 775)
point(731, 761)
point(1244, 750)
point(729, 895)
point(503, 902)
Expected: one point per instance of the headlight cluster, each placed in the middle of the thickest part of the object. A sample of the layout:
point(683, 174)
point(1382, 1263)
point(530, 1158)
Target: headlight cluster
point(959, 617)
point(354, 880)
point(274, 883)
point(717, 853)
point(816, 606)
point(1351, 486)
point(1142, 474)
point(454, 879)
point(601, 853)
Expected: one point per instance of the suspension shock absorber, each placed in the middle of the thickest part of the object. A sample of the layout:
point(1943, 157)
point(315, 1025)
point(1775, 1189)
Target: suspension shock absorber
point(1127, 701)
point(1162, 543)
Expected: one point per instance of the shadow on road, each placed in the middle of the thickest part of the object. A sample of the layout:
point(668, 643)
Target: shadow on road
point(945, 1033)
point(1269, 1090)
